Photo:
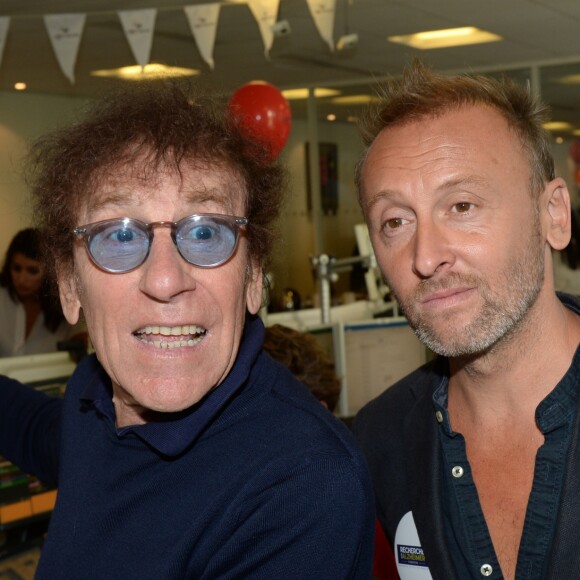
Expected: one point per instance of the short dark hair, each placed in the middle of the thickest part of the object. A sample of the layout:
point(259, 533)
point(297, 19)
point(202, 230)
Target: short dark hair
point(28, 243)
point(153, 124)
point(307, 361)
point(421, 93)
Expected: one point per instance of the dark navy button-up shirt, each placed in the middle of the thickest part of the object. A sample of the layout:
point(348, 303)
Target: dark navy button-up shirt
point(465, 526)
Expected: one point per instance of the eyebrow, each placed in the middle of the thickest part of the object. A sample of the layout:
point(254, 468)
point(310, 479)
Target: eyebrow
point(99, 201)
point(220, 196)
point(201, 195)
point(450, 183)
point(476, 180)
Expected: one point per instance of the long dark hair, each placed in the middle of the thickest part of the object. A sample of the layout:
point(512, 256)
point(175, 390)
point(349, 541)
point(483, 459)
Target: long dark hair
point(27, 243)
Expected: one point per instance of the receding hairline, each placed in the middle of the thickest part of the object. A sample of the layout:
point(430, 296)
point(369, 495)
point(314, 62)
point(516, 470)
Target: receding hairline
point(439, 111)
point(421, 91)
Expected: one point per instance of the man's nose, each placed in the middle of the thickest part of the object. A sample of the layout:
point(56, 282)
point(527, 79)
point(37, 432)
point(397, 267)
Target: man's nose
point(165, 273)
point(432, 249)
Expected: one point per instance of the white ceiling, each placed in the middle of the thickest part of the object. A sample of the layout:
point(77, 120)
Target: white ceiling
point(534, 31)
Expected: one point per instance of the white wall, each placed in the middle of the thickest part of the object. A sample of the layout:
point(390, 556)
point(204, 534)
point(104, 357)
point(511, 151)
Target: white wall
point(14, 213)
point(23, 117)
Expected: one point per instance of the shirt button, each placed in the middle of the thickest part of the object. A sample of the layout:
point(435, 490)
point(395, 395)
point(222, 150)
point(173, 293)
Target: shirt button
point(457, 472)
point(439, 416)
point(486, 570)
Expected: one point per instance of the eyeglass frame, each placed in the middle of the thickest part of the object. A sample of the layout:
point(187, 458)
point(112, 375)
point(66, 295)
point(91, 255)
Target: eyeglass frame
point(235, 222)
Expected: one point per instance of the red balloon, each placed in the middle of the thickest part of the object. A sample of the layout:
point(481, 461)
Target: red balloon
point(264, 113)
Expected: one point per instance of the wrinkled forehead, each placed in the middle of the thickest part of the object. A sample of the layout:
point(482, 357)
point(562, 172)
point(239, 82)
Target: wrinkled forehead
point(199, 182)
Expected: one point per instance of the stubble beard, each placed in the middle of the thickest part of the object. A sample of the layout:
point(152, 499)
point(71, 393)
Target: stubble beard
point(506, 302)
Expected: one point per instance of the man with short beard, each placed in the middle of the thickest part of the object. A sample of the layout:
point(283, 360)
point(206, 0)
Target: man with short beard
point(475, 456)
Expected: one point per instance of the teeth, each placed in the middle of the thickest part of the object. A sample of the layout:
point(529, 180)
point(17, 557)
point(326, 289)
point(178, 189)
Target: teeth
point(175, 343)
point(190, 334)
point(172, 330)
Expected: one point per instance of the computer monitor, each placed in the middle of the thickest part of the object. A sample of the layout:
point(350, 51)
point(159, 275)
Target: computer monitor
point(370, 356)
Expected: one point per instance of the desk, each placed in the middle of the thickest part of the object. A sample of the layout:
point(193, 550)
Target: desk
point(19, 512)
point(25, 509)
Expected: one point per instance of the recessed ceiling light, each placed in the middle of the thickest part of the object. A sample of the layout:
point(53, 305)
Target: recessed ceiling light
point(20, 86)
point(331, 117)
point(149, 71)
point(293, 94)
point(355, 100)
point(570, 80)
point(557, 126)
point(445, 38)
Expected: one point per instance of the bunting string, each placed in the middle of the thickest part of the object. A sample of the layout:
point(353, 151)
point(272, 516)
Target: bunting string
point(65, 31)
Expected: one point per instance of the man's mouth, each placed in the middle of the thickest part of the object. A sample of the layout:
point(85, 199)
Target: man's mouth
point(442, 295)
point(171, 336)
point(453, 287)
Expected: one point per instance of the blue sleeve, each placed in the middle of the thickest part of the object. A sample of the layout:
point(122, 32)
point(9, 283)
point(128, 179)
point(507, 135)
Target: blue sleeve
point(316, 521)
point(30, 429)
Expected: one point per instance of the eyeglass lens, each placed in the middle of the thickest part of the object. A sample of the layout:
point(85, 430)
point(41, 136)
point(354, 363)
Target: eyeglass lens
point(121, 245)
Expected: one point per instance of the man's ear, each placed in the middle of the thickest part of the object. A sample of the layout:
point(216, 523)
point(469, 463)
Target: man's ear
point(254, 288)
point(69, 296)
point(557, 203)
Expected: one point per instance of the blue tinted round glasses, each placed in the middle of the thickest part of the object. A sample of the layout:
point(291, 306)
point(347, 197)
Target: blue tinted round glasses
point(122, 244)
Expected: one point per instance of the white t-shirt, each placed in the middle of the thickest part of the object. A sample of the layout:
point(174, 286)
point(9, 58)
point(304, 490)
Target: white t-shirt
point(13, 328)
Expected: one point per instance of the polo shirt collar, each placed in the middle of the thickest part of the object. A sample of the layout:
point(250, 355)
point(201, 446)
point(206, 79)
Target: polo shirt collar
point(177, 431)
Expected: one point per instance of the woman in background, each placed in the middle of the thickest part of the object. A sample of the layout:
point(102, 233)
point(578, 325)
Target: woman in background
point(31, 317)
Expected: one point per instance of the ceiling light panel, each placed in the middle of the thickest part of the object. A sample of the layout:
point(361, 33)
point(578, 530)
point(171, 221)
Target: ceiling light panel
point(446, 38)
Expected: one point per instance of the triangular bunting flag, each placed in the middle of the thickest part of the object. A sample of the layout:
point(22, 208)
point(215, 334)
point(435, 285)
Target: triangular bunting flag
point(139, 26)
point(323, 15)
point(203, 21)
point(265, 12)
point(65, 32)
